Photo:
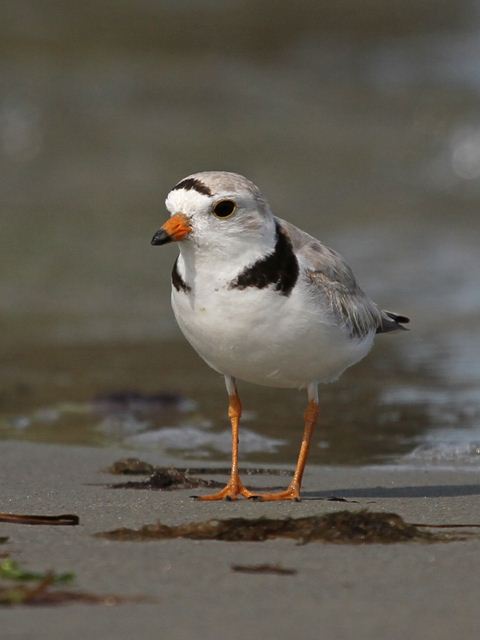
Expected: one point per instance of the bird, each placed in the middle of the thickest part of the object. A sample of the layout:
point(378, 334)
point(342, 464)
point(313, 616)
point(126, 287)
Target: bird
point(264, 302)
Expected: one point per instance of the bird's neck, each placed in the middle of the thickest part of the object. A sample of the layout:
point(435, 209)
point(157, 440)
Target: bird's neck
point(222, 262)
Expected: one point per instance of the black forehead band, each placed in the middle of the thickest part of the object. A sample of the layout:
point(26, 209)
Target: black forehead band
point(196, 185)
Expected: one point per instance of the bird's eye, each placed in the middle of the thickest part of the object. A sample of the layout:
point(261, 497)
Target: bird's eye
point(224, 208)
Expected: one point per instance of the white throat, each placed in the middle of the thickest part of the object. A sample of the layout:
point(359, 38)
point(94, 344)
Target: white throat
point(222, 259)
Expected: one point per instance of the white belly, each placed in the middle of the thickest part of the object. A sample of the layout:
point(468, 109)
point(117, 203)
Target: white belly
point(266, 338)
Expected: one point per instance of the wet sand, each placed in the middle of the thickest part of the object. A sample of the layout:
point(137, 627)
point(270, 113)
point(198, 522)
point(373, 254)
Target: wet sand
point(415, 590)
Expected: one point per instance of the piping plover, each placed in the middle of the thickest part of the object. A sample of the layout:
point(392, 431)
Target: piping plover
point(262, 301)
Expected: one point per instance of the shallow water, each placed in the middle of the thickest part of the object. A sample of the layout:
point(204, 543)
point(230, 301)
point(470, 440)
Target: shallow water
point(362, 129)
point(391, 408)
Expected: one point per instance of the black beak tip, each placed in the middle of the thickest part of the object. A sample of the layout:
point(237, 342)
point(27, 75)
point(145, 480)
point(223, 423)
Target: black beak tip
point(161, 237)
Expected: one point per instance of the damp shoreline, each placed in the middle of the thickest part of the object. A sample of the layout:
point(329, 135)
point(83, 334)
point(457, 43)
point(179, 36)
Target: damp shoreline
point(184, 584)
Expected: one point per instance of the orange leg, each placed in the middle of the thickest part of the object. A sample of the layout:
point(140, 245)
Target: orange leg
point(234, 487)
point(292, 492)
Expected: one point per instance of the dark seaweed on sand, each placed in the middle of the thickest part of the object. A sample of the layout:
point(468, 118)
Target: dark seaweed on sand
point(167, 480)
point(23, 587)
point(274, 569)
point(135, 466)
point(341, 527)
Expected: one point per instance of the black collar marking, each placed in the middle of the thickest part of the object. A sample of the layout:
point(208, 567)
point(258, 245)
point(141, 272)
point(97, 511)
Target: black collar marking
point(193, 183)
point(279, 268)
point(177, 280)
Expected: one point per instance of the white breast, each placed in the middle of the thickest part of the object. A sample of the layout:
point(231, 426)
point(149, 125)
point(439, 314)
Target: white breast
point(261, 336)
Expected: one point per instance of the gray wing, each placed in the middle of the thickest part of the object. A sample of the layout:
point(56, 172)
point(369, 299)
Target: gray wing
point(332, 279)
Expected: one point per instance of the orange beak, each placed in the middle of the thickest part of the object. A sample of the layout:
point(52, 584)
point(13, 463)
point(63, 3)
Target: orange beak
point(175, 228)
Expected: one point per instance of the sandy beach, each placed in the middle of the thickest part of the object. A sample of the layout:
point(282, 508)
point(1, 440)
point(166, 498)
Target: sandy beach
point(415, 590)
point(362, 128)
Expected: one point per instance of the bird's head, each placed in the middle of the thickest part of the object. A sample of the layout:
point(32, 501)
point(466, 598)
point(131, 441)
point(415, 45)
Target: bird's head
point(214, 209)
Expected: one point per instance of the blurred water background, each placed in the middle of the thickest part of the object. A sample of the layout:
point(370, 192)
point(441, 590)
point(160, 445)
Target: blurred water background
point(361, 124)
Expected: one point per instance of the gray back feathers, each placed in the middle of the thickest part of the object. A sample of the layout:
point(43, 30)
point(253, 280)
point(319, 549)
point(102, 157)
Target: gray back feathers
point(332, 280)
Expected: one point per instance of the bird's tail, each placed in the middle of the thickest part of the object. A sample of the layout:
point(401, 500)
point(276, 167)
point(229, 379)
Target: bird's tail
point(392, 322)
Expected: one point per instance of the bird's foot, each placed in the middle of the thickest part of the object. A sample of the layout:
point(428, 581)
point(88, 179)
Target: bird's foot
point(291, 493)
point(231, 491)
